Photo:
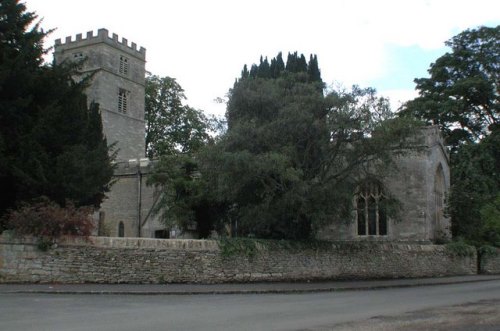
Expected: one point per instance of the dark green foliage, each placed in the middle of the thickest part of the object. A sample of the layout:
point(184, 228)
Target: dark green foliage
point(276, 67)
point(461, 94)
point(474, 202)
point(51, 143)
point(290, 160)
point(292, 157)
point(461, 248)
point(186, 199)
point(172, 127)
point(462, 97)
point(175, 133)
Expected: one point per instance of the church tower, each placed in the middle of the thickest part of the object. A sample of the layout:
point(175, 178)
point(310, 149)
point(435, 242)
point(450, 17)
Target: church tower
point(117, 85)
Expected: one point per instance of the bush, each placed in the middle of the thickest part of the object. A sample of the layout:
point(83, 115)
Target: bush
point(47, 221)
point(461, 248)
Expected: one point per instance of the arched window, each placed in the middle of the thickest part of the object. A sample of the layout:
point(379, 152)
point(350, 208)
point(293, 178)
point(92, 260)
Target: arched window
point(121, 229)
point(370, 213)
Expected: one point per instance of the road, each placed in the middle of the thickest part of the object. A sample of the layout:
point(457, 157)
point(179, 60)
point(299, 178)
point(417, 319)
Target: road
point(306, 311)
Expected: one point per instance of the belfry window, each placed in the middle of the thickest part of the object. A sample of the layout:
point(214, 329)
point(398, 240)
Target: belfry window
point(123, 65)
point(371, 217)
point(78, 58)
point(122, 100)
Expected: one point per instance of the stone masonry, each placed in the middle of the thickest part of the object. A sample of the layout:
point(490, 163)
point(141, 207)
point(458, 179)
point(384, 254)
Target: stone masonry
point(134, 260)
point(118, 82)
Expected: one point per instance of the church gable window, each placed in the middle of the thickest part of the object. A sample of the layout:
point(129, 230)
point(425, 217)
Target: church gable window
point(371, 216)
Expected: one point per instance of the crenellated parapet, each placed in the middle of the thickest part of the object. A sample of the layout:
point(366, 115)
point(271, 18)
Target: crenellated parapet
point(101, 37)
point(134, 166)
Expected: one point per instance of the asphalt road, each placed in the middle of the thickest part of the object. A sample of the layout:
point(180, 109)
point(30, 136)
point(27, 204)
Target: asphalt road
point(306, 311)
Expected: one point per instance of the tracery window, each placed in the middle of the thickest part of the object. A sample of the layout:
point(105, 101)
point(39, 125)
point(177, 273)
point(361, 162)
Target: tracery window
point(371, 216)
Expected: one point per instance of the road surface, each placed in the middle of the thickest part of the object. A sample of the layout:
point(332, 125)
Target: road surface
point(344, 310)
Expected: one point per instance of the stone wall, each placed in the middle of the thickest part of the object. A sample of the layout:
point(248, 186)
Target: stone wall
point(133, 260)
point(490, 263)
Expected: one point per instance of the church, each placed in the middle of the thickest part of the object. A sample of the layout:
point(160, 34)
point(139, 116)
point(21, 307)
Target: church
point(421, 180)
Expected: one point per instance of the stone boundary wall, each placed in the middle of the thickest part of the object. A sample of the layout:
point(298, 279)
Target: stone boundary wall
point(490, 264)
point(134, 260)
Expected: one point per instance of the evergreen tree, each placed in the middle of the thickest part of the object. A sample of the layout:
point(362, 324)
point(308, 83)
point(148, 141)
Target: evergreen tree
point(244, 72)
point(292, 156)
point(313, 69)
point(264, 69)
point(277, 66)
point(51, 143)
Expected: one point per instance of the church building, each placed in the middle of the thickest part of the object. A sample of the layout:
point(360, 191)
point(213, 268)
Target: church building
point(420, 180)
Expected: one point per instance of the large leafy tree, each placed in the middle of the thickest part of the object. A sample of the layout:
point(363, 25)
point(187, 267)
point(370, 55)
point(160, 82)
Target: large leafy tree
point(462, 97)
point(175, 133)
point(51, 142)
point(291, 156)
point(462, 93)
point(475, 191)
point(172, 127)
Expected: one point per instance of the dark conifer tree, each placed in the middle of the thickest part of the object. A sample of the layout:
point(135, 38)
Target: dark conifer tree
point(264, 69)
point(301, 64)
point(291, 62)
point(254, 69)
point(51, 143)
point(244, 72)
point(313, 69)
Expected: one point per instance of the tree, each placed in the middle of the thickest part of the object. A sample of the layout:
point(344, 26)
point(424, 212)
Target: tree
point(461, 95)
point(51, 142)
point(475, 191)
point(172, 127)
point(291, 156)
point(175, 133)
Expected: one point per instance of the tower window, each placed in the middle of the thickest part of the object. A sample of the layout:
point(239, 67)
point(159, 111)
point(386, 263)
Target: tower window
point(123, 65)
point(370, 213)
point(78, 58)
point(122, 100)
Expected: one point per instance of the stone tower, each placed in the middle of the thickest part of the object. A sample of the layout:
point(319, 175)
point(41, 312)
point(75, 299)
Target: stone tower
point(117, 85)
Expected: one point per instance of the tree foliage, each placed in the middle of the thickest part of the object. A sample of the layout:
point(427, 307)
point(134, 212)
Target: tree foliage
point(462, 93)
point(51, 142)
point(462, 97)
point(291, 157)
point(172, 127)
point(474, 200)
point(175, 133)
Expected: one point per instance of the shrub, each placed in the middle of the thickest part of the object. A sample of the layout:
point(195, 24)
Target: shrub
point(461, 248)
point(47, 221)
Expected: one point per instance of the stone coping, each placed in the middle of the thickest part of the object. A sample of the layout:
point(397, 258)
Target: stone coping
point(207, 244)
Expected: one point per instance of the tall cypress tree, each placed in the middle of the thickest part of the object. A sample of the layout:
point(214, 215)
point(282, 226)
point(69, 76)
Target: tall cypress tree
point(313, 69)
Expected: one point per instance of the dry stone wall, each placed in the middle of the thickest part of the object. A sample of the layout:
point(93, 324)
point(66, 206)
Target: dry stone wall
point(133, 260)
point(490, 263)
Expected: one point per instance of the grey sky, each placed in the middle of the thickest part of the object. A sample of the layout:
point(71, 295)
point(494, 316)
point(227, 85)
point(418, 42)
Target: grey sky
point(204, 44)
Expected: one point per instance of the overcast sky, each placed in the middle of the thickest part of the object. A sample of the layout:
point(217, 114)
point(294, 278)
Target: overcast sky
point(204, 44)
